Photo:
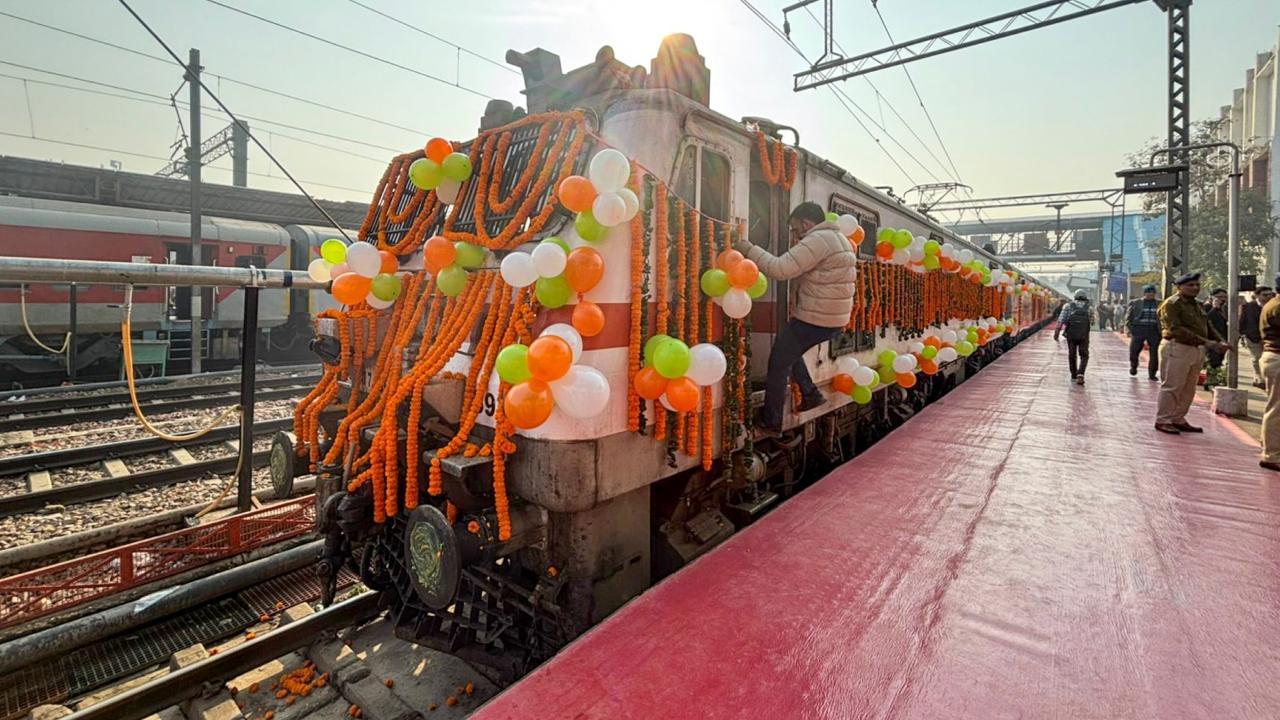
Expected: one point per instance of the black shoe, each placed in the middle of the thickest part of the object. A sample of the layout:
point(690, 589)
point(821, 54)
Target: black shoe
point(1188, 427)
point(1153, 377)
point(809, 402)
point(761, 426)
point(1079, 379)
point(1167, 428)
point(1133, 371)
point(1269, 465)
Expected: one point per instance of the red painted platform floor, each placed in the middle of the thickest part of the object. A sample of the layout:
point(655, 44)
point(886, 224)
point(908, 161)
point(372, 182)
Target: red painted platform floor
point(1024, 548)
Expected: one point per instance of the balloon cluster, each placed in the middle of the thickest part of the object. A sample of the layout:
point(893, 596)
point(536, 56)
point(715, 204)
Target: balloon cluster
point(673, 372)
point(559, 273)
point(601, 200)
point(449, 262)
point(442, 170)
point(849, 227)
point(359, 271)
point(733, 283)
point(900, 247)
point(545, 375)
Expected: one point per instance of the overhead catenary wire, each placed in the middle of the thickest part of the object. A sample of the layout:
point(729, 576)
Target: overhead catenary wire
point(415, 28)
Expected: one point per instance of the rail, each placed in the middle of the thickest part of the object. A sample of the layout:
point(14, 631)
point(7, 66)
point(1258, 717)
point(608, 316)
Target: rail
point(29, 270)
point(56, 588)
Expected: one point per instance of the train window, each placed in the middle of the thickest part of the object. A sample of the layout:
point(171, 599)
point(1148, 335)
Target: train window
point(713, 200)
point(870, 227)
point(258, 261)
point(686, 181)
point(760, 215)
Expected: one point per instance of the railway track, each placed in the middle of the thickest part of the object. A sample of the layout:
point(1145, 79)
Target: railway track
point(21, 416)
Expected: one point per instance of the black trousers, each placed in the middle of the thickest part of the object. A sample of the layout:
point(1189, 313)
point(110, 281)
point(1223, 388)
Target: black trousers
point(786, 360)
point(1151, 338)
point(1078, 355)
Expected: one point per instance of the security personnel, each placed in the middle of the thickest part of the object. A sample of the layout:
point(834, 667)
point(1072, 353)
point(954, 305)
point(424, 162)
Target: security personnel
point(1143, 325)
point(1269, 325)
point(1185, 329)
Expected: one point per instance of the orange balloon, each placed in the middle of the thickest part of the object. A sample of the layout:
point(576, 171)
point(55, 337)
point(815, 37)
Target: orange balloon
point(884, 250)
point(389, 262)
point(350, 288)
point(728, 259)
point(932, 340)
point(650, 384)
point(588, 319)
point(438, 254)
point(743, 274)
point(907, 380)
point(576, 193)
point(857, 236)
point(929, 367)
point(584, 269)
point(549, 358)
point(842, 384)
point(529, 404)
point(682, 394)
point(438, 149)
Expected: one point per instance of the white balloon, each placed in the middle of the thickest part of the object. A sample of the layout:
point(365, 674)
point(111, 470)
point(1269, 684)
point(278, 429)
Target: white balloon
point(609, 209)
point(917, 242)
point(915, 254)
point(847, 365)
point(947, 250)
point(549, 259)
point(363, 259)
point(915, 347)
point(864, 376)
point(918, 269)
point(949, 336)
point(904, 363)
point(847, 224)
point(518, 271)
point(706, 364)
point(900, 256)
point(736, 303)
point(609, 171)
point(965, 257)
point(631, 201)
point(376, 303)
point(583, 392)
point(570, 335)
point(947, 354)
point(448, 190)
point(319, 270)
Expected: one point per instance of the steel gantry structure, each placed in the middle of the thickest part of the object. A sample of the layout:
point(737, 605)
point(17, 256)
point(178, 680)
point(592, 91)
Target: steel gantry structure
point(833, 68)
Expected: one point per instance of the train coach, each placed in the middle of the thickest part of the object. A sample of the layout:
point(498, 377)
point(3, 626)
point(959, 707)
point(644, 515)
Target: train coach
point(502, 498)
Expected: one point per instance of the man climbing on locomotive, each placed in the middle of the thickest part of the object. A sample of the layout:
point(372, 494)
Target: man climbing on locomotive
point(823, 265)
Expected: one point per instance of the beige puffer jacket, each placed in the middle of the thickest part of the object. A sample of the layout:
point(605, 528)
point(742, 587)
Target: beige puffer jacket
point(825, 265)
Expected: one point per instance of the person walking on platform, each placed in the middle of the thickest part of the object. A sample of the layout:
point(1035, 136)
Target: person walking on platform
point(1250, 330)
point(1142, 323)
point(1074, 321)
point(1185, 328)
point(1104, 315)
point(824, 268)
point(1216, 311)
point(1118, 319)
point(1269, 331)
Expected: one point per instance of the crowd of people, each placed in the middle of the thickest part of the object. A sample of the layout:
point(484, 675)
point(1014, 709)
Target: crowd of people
point(1184, 336)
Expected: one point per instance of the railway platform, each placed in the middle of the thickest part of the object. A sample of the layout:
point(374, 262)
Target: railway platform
point(1023, 548)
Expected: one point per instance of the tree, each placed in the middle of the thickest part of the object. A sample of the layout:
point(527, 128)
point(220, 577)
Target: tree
point(1207, 244)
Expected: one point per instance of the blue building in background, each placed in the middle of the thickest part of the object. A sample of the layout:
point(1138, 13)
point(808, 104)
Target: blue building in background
point(1139, 232)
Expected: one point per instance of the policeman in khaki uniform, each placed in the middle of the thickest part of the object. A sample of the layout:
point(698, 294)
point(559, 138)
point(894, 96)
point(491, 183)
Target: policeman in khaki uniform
point(1185, 329)
point(1269, 328)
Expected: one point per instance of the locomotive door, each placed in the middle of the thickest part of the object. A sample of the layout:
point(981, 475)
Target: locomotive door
point(853, 341)
point(767, 212)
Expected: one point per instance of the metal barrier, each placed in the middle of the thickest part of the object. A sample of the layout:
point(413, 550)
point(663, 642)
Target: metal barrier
point(44, 591)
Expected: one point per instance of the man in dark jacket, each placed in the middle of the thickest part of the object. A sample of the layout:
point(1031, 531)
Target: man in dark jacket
point(1250, 330)
point(1074, 321)
point(1104, 315)
point(1216, 311)
point(1142, 323)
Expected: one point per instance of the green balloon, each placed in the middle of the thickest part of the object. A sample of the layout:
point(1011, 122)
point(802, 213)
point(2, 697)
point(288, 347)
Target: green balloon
point(887, 375)
point(456, 167)
point(425, 173)
point(885, 234)
point(932, 247)
point(557, 241)
point(385, 287)
point(964, 348)
point(553, 292)
point(513, 364)
point(468, 255)
point(759, 287)
point(715, 282)
point(931, 262)
point(652, 344)
point(861, 394)
point(832, 217)
point(451, 280)
point(902, 239)
point(671, 358)
point(929, 352)
point(972, 335)
point(886, 357)
point(588, 227)
point(333, 251)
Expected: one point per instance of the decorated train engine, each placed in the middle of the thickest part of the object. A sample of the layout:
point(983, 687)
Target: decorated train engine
point(538, 397)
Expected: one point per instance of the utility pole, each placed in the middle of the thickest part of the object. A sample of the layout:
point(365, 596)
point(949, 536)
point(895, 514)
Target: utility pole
point(193, 177)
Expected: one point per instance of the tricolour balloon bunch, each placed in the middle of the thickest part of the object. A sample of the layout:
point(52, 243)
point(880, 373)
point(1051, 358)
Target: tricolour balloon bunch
point(449, 262)
point(673, 372)
point(900, 247)
point(733, 283)
point(359, 271)
point(442, 170)
point(601, 200)
point(849, 227)
point(559, 274)
point(544, 375)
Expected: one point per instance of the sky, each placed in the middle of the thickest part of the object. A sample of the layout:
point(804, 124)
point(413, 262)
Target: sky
point(1055, 109)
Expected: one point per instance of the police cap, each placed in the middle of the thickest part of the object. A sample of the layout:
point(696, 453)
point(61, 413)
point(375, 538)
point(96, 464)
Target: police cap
point(1189, 277)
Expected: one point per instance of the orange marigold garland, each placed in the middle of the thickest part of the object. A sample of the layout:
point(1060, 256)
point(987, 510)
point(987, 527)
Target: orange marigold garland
point(661, 293)
point(635, 341)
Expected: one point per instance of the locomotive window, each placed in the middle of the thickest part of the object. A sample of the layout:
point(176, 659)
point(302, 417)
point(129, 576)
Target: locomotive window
point(759, 214)
point(714, 198)
point(685, 185)
point(869, 228)
point(244, 261)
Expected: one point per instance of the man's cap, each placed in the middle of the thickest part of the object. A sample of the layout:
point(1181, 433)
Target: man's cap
point(1189, 277)
point(1082, 295)
point(1148, 288)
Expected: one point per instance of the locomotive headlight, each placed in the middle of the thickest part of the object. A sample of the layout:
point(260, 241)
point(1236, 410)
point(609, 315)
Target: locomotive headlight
point(431, 554)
